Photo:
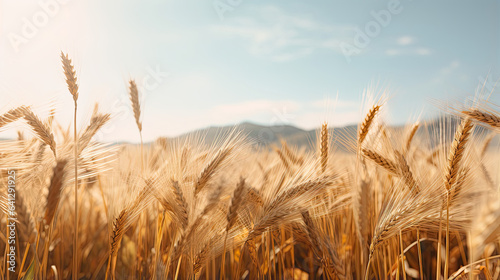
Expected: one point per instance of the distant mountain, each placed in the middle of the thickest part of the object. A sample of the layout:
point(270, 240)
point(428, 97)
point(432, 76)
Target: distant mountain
point(268, 135)
point(263, 136)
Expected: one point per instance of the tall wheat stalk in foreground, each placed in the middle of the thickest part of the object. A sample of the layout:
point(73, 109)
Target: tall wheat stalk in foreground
point(71, 81)
point(457, 152)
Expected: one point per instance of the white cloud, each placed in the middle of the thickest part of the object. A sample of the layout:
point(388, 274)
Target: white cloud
point(282, 37)
point(423, 51)
point(406, 47)
point(405, 40)
point(450, 67)
point(392, 52)
point(406, 51)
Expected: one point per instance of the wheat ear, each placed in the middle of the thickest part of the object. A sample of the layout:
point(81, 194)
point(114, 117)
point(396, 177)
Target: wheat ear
point(232, 214)
point(367, 122)
point(55, 189)
point(211, 168)
point(134, 99)
point(317, 247)
point(181, 203)
point(324, 146)
point(236, 202)
point(411, 135)
point(41, 130)
point(120, 225)
point(70, 74)
point(387, 164)
point(12, 115)
point(96, 122)
point(456, 152)
point(295, 159)
point(136, 107)
point(406, 174)
point(485, 117)
point(284, 160)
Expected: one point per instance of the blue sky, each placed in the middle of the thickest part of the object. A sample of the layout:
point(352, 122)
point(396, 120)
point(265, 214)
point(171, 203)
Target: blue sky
point(263, 61)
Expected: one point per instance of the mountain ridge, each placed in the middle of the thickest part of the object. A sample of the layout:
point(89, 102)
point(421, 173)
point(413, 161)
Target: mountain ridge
point(262, 135)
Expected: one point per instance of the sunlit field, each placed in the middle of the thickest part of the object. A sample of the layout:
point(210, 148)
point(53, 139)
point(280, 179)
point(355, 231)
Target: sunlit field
point(419, 201)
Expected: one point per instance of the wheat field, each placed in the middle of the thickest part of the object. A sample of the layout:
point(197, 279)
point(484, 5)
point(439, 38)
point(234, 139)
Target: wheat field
point(420, 202)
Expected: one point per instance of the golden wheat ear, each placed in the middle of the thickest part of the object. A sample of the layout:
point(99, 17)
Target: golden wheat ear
point(491, 119)
point(411, 135)
point(55, 189)
point(70, 74)
point(217, 161)
point(364, 128)
point(236, 202)
point(385, 163)
point(182, 205)
point(12, 115)
point(42, 131)
point(457, 151)
point(136, 107)
point(127, 216)
point(97, 121)
point(323, 147)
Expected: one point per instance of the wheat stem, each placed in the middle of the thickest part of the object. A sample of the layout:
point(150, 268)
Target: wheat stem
point(75, 245)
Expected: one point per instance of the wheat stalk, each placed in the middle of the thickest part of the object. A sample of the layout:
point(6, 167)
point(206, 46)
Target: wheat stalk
point(71, 82)
point(455, 156)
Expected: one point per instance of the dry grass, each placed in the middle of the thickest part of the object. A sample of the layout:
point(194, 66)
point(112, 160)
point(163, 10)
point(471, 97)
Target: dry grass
point(412, 203)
